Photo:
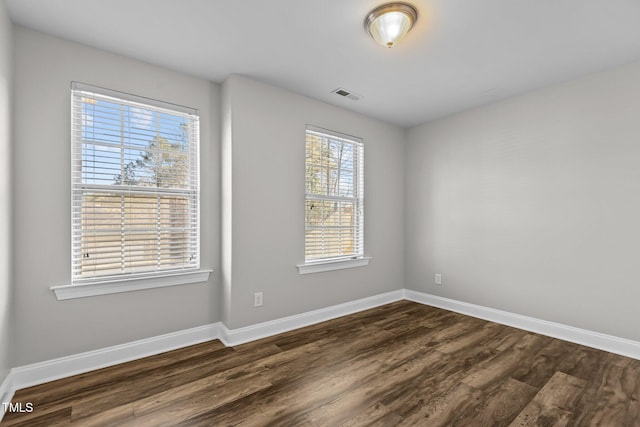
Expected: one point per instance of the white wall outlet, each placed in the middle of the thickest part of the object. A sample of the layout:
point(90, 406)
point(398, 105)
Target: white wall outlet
point(438, 279)
point(257, 299)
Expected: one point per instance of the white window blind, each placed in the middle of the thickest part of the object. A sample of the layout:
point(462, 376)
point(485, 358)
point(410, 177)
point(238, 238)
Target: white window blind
point(135, 186)
point(334, 203)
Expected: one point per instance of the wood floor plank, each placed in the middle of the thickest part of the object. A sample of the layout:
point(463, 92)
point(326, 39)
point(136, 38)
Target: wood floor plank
point(292, 402)
point(444, 410)
point(57, 418)
point(581, 361)
point(163, 380)
point(434, 381)
point(377, 415)
point(399, 364)
point(360, 399)
point(507, 338)
point(473, 337)
point(554, 404)
point(500, 406)
point(168, 409)
point(114, 417)
point(618, 399)
point(543, 364)
point(502, 366)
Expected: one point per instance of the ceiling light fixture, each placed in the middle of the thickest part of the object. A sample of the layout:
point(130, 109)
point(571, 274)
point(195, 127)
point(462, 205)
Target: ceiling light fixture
point(389, 23)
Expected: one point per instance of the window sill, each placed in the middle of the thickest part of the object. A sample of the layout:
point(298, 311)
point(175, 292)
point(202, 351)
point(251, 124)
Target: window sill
point(129, 284)
point(339, 264)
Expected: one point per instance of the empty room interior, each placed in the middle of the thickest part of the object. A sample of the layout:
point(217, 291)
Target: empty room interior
point(329, 213)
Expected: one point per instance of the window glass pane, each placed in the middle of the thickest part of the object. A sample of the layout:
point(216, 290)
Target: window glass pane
point(346, 184)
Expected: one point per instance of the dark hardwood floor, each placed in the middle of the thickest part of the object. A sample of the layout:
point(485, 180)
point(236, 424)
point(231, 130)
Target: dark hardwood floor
point(399, 364)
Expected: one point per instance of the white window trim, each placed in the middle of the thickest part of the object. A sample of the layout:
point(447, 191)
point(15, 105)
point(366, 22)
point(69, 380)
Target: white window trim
point(355, 260)
point(128, 284)
point(334, 264)
point(153, 279)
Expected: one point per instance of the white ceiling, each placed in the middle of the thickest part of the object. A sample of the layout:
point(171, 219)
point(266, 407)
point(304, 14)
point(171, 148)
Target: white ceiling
point(461, 54)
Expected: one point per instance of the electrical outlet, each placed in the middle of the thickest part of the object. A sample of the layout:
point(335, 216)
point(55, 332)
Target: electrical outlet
point(438, 279)
point(257, 299)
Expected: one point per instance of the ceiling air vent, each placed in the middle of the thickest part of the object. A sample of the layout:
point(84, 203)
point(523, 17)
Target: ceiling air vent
point(347, 94)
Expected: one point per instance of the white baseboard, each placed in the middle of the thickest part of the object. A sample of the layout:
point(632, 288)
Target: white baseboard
point(610, 343)
point(50, 370)
point(231, 337)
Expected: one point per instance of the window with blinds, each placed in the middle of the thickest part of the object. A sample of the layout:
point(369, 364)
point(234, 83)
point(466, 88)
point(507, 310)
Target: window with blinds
point(135, 186)
point(334, 203)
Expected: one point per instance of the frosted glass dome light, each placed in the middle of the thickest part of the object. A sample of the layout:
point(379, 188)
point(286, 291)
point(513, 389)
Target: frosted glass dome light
point(390, 23)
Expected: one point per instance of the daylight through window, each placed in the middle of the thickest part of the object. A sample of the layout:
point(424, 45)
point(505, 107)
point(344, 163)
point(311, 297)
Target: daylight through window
point(334, 205)
point(135, 189)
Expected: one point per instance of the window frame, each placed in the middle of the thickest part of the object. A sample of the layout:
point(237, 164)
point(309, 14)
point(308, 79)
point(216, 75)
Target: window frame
point(153, 276)
point(357, 258)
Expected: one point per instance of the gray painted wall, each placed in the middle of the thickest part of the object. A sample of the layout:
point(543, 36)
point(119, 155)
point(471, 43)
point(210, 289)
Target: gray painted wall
point(265, 144)
point(44, 327)
point(6, 69)
point(532, 205)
